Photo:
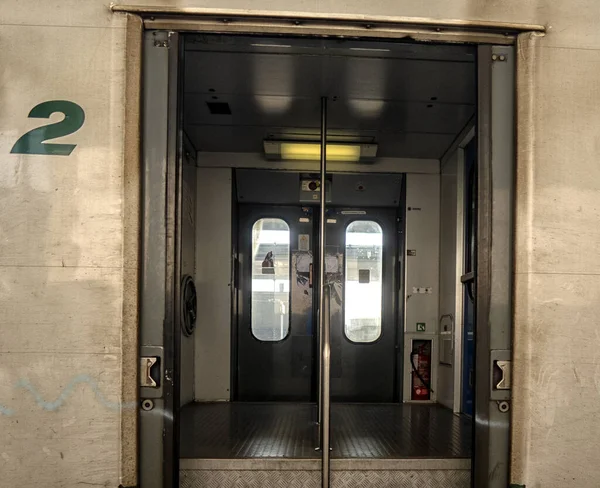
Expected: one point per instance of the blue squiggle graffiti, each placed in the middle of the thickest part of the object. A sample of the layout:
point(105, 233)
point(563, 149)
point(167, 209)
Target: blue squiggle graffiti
point(56, 404)
point(6, 411)
point(52, 406)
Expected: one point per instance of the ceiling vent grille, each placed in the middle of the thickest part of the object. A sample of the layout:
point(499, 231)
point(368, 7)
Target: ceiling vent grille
point(219, 108)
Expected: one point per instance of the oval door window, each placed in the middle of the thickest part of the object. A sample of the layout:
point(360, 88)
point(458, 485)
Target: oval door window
point(270, 317)
point(363, 281)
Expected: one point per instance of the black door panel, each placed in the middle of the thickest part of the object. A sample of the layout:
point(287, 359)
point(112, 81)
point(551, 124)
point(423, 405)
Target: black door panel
point(363, 370)
point(272, 366)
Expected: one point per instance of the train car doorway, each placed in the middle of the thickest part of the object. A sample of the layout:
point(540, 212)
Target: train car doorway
point(277, 333)
point(307, 277)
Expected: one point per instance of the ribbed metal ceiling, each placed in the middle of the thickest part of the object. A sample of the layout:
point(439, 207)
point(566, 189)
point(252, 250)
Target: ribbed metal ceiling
point(411, 99)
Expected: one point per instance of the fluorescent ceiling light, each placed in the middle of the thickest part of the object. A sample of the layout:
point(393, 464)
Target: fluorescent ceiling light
point(311, 151)
point(335, 152)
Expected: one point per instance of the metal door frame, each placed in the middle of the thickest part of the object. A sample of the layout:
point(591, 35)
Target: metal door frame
point(161, 258)
point(464, 262)
point(160, 70)
point(494, 263)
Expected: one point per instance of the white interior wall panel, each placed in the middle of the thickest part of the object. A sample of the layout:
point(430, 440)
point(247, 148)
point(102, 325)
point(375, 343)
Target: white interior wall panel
point(212, 366)
point(422, 269)
point(448, 272)
point(422, 236)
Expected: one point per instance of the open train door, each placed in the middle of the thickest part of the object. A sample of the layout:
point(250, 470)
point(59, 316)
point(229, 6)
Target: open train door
point(160, 257)
point(493, 267)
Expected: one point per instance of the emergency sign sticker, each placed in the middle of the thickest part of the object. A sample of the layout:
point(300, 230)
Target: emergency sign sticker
point(420, 326)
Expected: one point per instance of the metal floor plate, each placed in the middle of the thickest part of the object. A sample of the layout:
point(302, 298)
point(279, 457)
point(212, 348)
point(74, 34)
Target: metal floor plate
point(359, 431)
point(312, 479)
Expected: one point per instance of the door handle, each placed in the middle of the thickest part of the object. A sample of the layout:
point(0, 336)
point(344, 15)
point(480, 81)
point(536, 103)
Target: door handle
point(150, 372)
point(310, 275)
point(502, 376)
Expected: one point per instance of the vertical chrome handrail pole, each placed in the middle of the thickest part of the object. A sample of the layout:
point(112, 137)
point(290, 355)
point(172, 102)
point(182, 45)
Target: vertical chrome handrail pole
point(324, 360)
point(321, 277)
point(325, 424)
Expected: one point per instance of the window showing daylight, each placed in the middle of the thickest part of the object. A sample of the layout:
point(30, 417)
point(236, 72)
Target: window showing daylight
point(363, 283)
point(270, 318)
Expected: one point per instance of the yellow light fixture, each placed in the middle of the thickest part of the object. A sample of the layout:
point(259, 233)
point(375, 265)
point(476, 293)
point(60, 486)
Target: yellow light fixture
point(311, 151)
point(334, 152)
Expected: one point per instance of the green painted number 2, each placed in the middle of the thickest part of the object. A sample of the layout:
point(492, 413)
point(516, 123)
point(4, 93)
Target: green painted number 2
point(34, 141)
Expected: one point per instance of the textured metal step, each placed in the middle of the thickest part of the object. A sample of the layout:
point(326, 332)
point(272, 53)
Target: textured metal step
point(286, 430)
point(345, 473)
point(273, 445)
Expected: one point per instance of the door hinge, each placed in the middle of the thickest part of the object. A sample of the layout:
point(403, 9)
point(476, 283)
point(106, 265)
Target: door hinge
point(159, 43)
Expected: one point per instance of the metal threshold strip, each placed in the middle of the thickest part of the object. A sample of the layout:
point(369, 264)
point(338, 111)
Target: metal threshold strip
point(192, 19)
point(296, 464)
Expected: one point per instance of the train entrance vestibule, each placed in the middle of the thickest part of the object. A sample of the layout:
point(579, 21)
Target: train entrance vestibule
point(278, 327)
point(323, 195)
point(319, 278)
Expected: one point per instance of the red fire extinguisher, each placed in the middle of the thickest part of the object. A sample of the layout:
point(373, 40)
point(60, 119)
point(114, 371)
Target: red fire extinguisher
point(421, 372)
